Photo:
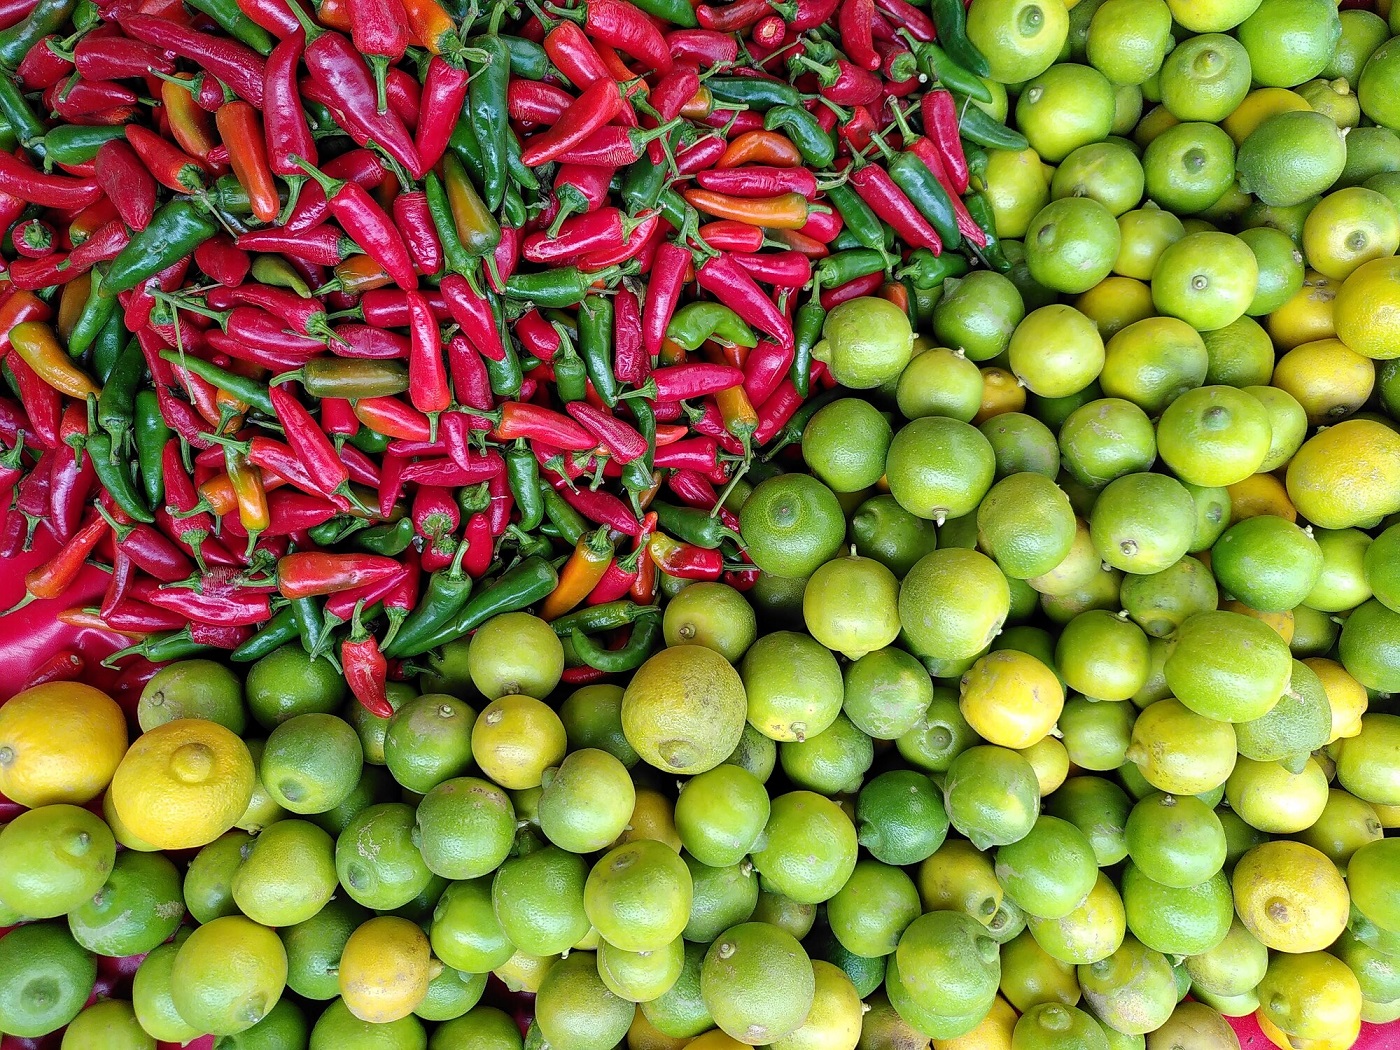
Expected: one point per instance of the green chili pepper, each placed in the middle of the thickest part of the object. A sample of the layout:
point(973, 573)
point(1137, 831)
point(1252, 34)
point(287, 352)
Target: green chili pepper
point(693, 525)
point(676, 210)
point(108, 346)
point(570, 376)
point(977, 159)
point(277, 632)
point(675, 12)
point(8, 141)
point(513, 210)
point(528, 60)
point(335, 530)
point(476, 227)
point(980, 208)
point(507, 375)
point(807, 325)
point(935, 63)
point(757, 93)
point(561, 287)
point(474, 499)
point(175, 231)
point(568, 521)
point(465, 148)
point(114, 473)
point(236, 23)
point(520, 173)
point(812, 140)
point(637, 474)
point(390, 538)
point(516, 588)
point(628, 658)
point(609, 616)
point(486, 107)
point(369, 441)
point(311, 624)
point(836, 270)
point(694, 323)
point(950, 20)
point(925, 270)
point(595, 326)
point(455, 255)
point(158, 648)
point(27, 127)
point(844, 241)
point(927, 194)
point(230, 197)
point(152, 434)
point(278, 272)
point(862, 223)
point(250, 391)
point(350, 378)
point(117, 402)
point(78, 143)
point(446, 593)
point(984, 129)
point(523, 476)
point(47, 16)
point(642, 184)
point(99, 308)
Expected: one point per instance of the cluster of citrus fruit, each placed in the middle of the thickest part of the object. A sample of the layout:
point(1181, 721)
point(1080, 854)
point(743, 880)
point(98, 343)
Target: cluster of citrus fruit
point(1065, 688)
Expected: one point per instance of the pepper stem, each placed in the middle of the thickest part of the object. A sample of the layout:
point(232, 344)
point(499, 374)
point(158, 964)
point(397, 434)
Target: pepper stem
point(329, 185)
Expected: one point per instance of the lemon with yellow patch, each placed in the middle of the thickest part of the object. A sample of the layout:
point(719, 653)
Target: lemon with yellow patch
point(1329, 379)
point(1345, 695)
point(385, 968)
point(1011, 699)
point(1290, 896)
point(1367, 309)
point(59, 742)
point(993, 1032)
point(1347, 475)
point(1258, 106)
point(1309, 315)
point(1260, 494)
point(183, 784)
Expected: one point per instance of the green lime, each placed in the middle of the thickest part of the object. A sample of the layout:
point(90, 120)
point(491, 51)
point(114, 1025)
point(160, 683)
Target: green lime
point(721, 897)
point(338, 1029)
point(136, 909)
point(1370, 646)
point(285, 1026)
point(208, 886)
point(952, 604)
point(1072, 243)
point(1207, 279)
point(720, 814)
point(289, 682)
point(538, 900)
point(482, 1028)
point(465, 933)
point(638, 896)
point(940, 734)
point(1005, 531)
point(900, 817)
point(919, 1016)
point(151, 999)
point(1268, 563)
point(1372, 153)
point(1375, 89)
point(445, 670)
point(937, 468)
point(1160, 602)
point(311, 762)
point(1128, 39)
point(1106, 439)
point(883, 530)
point(937, 382)
point(466, 826)
point(1347, 823)
point(1096, 734)
point(1370, 879)
point(1291, 157)
point(991, 795)
point(1333, 98)
point(832, 762)
point(592, 717)
point(429, 740)
point(1177, 841)
point(193, 689)
point(574, 1007)
point(262, 808)
point(1021, 444)
point(1133, 991)
point(757, 982)
point(313, 948)
point(680, 1012)
point(1152, 362)
point(865, 975)
point(1362, 33)
point(1288, 424)
point(1091, 932)
point(377, 860)
point(885, 693)
point(793, 685)
point(450, 994)
point(1108, 172)
point(948, 964)
point(1099, 808)
point(791, 524)
point(1188, 167)
point(288, 876)
point(870, 912)
point(807, 849)
point(977, 313)
point(1381, 566)
point(586, 802)
point(1144, 234)
point(1050, 871)
point(684, 709)
point(1056, 351)
point(1142, 522)
point(1179, 751)
point(1281, 269)
point(1214, 436)
point(1102, 655)
point(640, 976)
point(1228, 666)
point(714, 615)
point(228, 975)
point(1240, 354)
point(849, 605)
point(515, 653)
point(371, 729)
point(1275, 799)
point(754, 753)
point(1031, 976)
point(45, 978)
point(1363, 766)
point(1232, 967)
point(1020, 38)
point(109, 1023)
point(1064, 108)
point(53, 859)
point(845, 443)
point(1177, 921)
point(1290, 41)
point(375, 785)
point(1205, 78)
point(865, 342)
point(796, 917)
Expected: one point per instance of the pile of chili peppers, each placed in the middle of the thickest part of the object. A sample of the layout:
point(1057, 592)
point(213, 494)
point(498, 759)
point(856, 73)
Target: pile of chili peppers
point(362, 324)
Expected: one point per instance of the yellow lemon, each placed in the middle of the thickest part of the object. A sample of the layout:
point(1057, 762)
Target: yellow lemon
point(1011, 699)
point(385, 968)
point(1258, 106)
point(1367, 309)
point(1260, 494)
point(1308, 315)
point(183, 784)
point(1290, 896)
point(1346, 696)
point(59, 742)
point(992, 1033)
point(1347, 475)
point(1326, 377)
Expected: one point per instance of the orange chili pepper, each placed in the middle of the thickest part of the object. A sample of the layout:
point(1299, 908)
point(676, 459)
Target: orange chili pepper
point(249, 492)
point(801, 242)
point(360, 273)
point(591, 557)
point(71, 302)
point(896, 293)
point(241, 129)
point(78, 617)
point(787, 211)
point(52, 578)
point(191, 126)
point(432, 25)
point(17, 308)
point(740, 417)
point(37, 345)
point(335, 14)
point(700, 106)
point(761, 147)
point(672, 353)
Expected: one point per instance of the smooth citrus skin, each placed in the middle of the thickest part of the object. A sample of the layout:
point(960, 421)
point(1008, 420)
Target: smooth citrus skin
point(60, 742)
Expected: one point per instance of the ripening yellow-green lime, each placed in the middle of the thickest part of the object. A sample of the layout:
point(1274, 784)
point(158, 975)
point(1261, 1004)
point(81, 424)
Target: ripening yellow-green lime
point(1020, 38)
point(1367, 309)
point(1011, 699)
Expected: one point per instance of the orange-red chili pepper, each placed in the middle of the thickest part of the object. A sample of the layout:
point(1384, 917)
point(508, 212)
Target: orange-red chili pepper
point(71, 302)
point(242, 133)
point(189, 124)
point(52, 578)
point(249, 492)
point(37, 345)
point(335, 14)
point(787, 211)
point(740, 417)
point(360, 273)
point(896, 293)
point(761, 147)
point(591, 557)
point(432, 26)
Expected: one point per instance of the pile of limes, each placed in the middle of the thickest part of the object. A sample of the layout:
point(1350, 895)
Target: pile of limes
point(1066, 687)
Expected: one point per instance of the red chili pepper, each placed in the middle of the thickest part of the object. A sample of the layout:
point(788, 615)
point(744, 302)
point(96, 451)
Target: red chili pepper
point(323, 245)
point(858, 288)
point(732, 17)
point(759, 181)
point(673, 91)
point(42, 403)
point(603, 229)
point(939, 111)
point(368, 226)
point(731, 284)
point(692, 488)
point(379, 29)
point(393, 418)
point(66, 665)
point(888, 201)
point(702, 47)
point(220, 259)
point(929, 153)
point(16, 308)
point(118, 58)
point(631, 362)
point(123, 576)
point(471, 383)
point(574, 55)
point(238, 66)
point(56, 575)
point(730, 235)
point(427, 388)
point(368, 342)
point(152, 551)
point(577, 188)
point(242, 132)
point(908, 17)
point(480, 545)
point(694, 453)
point(444, 93)
point(685, 560)
point(764, 369)
point(287, 133)
point(358, 166)
point(131, 616)
point(536, 101)
point(435, 512)
point(473, 313)
point(289, 512)
point(401, 600)
point(309, 574)
point(43, 67)
point(618, 24)
point(416, 223)
point(601, 508)
point(171, 166)
point(781, 269)
point(522, 420)
point(506, 257)
point(613, 146)
point(854, 19)
point(327, 473)
point(691, 380)
point(47, 191)
point(71, 482)
point(340, 607)
point(273, 15)
point(597, 106)
point(366, 670)
point(645, 238)
point(706, 151)
point(622, 442)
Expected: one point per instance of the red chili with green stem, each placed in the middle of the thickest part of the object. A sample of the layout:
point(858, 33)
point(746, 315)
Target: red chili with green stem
point(366, 670)
point(237, 65)
point(599, 104)
point(619, 24)
point(379, 29)
point(444, 93)
point(473, 312)
point(284, 121)
point(428, 389)
point(367, 224)
point(416, 223)
point(578, 189)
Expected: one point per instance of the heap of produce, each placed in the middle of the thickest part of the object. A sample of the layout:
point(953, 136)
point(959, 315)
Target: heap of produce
point(822, 524)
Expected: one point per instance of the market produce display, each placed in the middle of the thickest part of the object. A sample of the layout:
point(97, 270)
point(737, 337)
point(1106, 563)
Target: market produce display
point(822, 524)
